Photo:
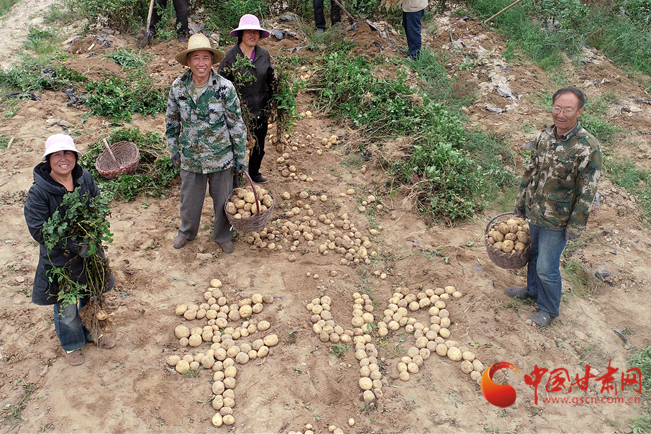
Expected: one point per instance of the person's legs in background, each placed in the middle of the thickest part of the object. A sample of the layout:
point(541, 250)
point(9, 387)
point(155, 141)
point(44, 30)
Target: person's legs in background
point(335, 13)
point(260, 128)
point(319, 17)
point(181, 7)
point(156, 16)
point(411, 21)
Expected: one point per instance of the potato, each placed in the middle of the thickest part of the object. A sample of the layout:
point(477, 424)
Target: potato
point(498, 245)
point(368, 397)
point(182, 367)
point(404, 376)
point(263, 326)
point(365, 383)
point(466, 367)
point(519, 247)
point(503, 228)
point(242, 358)
point(181, 331)
point(231, 208)
point(263, 351)
point(229, 419)
point(498, 236)
point(173, 360)
point(217, 402)
point(217, 419)
point(475, 376)
point(507, 246)
point(511, 237)
point(523, 237)
point(180, 309)
point(454, 354)
point(240, 204)
point(245, 311)
point(445, 333)
point(468, 355)
point(477, 365)
point(270, 340)
point(195, 340)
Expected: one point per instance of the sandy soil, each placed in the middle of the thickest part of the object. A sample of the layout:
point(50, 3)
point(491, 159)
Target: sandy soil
point(131, 389)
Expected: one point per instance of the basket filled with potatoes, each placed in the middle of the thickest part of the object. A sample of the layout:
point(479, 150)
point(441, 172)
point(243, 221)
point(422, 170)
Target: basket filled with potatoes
point(249, 209)
point(507, 241)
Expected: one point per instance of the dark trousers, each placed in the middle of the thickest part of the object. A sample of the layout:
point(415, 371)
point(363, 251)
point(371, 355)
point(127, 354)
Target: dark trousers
point(181, 7)
point(319, 17)
point(411, 23)
point(260, 127)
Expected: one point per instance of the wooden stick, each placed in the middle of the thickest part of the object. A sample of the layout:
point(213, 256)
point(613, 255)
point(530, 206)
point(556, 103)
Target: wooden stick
point(500, 12)
point(344, 9)
point(108, 148)
point(10, 142)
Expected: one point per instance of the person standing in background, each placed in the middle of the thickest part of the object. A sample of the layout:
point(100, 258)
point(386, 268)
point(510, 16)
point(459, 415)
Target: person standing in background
point(412, 14)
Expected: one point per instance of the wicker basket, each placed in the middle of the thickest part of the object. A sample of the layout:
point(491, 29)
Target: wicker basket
point(120, 157)
point(512, 260)
point(255, 222)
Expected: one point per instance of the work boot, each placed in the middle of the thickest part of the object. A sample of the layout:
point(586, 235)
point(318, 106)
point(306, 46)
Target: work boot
point(227, 246)
point(183, 38)
point(74, 358)
point(521, 293)
point(259, 179)
point(540, 318)
point(180, 241)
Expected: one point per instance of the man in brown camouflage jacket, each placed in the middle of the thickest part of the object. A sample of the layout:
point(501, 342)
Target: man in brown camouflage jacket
point(557, 190)
point(206, 137)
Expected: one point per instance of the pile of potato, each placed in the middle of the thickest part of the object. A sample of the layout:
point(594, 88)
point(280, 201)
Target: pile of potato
point(218, 313)
point(242, 203)
point(329, 233)
point(365, 352)
point(429, 338)
point(512, 236)
point(225, 350)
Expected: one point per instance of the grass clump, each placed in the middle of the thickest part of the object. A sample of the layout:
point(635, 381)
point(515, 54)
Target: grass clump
point(37, 75)
point(41, 41)
point(128, 59)
point(634, 180)
point(155, 171)
point(117, 98)
point(5, 5)
point(123, 15)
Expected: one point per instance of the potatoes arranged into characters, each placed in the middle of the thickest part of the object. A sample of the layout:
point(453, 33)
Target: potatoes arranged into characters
point(242, 203)
point(510, 236)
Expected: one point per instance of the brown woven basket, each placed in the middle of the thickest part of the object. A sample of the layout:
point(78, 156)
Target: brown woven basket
point(510, 261)
point(120, 157)
point(255, 222)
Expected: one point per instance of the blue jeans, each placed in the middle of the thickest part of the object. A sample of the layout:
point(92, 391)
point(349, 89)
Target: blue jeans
point(411, 23)
point(543, 272)
point(67, 323)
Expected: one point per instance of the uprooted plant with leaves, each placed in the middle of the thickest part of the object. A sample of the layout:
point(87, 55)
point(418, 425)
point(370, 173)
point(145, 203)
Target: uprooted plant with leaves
point(82, 220)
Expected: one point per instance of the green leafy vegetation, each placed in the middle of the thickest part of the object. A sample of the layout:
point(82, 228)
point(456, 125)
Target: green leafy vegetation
point(286, 88)
point(642, 360)
point(41, 41)
point(155, 171)
point(123, 15)
point(440, 166)
point(81, 220)
point(129, 59)
point(118, 98)
point(36, 75)
point(5, 5)
point(603, 131)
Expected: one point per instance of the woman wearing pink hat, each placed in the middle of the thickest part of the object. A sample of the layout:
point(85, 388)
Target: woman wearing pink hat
point(55, 176)
point(258, 93)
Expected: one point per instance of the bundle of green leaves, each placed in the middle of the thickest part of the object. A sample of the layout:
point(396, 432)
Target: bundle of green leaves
point(82, 220)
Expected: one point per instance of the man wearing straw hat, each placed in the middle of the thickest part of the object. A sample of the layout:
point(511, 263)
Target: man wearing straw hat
point(207, 139)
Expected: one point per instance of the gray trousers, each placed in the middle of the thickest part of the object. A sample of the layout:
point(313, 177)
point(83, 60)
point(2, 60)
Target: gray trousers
point(193, 191)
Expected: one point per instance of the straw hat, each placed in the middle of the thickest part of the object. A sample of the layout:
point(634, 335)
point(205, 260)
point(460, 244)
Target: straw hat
point(60, 142)
point(250, 22)
point(198, 42)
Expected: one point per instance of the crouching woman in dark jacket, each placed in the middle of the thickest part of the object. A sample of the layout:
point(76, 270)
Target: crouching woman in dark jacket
point(256, 94)
point(55, 176)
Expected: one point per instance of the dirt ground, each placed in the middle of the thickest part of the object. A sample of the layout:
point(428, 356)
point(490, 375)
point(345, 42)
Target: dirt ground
point(131, 389)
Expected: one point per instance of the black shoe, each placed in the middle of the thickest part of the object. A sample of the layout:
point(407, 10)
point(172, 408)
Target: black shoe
point(521, 293)
point(259, 179)
point(182, 38)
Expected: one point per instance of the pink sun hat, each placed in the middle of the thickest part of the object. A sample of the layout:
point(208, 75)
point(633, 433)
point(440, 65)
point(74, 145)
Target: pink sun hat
point(60, 142)
point(250, 22)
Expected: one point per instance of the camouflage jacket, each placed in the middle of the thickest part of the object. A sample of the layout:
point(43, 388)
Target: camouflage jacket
point(560, 181)
point(209, 133)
